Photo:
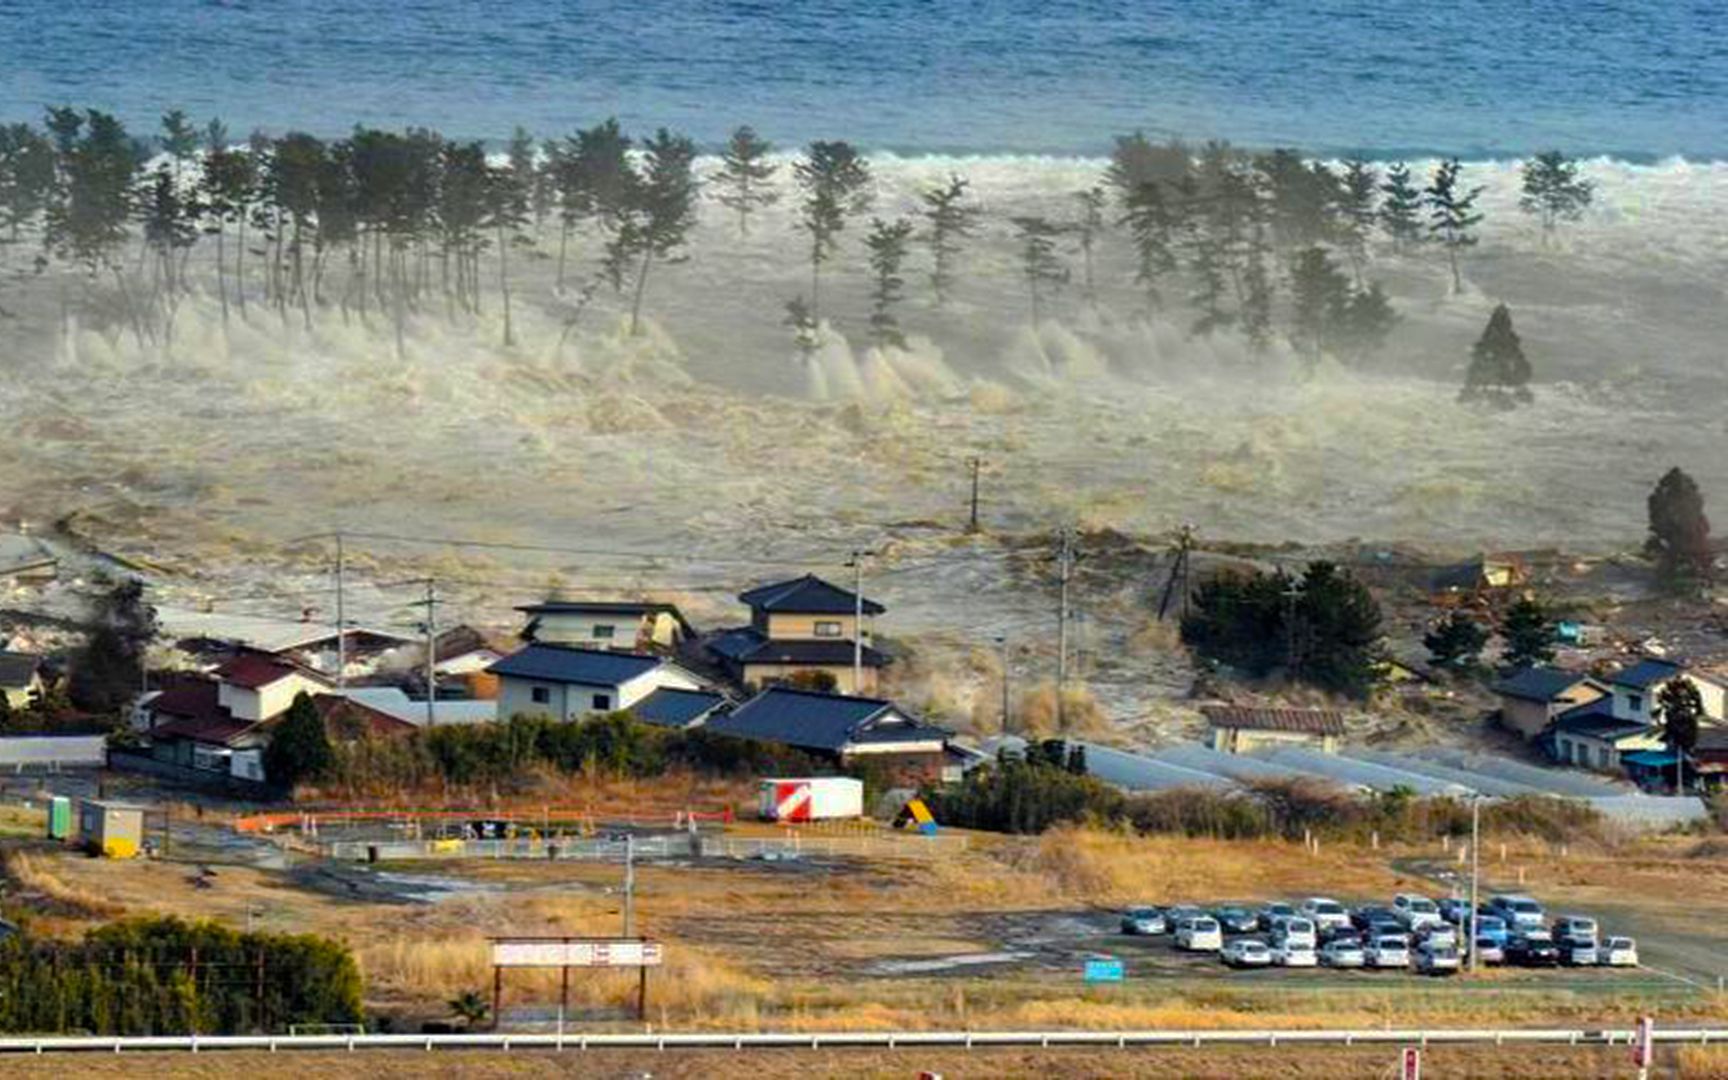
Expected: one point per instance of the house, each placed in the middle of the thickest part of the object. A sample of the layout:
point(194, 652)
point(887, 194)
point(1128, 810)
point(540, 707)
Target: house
point(21, 679)
point(1483, 574)
point(393, 703)
point(565, 682)
point(847, 730)
point(803, 626)
point(1590, 736)
point(1710, 757)
point(1531, 698)
point(214, 637)
point(220, 725)
point(670, 706)
point(1237, 729)
point(1637, 689)
point(25, 560)
point(626, 625)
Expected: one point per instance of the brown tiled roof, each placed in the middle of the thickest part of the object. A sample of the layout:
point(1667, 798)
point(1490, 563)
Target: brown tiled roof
point(252, 670)
point(332, 708)
point(1303, 721)
point(190, 711)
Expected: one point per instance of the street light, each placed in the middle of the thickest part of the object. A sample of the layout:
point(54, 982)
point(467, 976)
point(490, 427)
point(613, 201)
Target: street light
point(1475, 874)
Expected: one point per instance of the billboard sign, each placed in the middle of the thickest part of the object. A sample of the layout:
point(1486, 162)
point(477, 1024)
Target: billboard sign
point(592, 952)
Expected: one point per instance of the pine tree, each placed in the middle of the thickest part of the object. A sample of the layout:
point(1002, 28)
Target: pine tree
point(299, 747)
point(663, 208)
point(1152, 227)
point(1554, 191)
point(1087, 228)
point(1400, 210)
point(1359, 210)
point(26, 178)
point(1364, 322)
point(949, 219)
point(1452, 214)
point(1680, 707)
point(1257, 294)
point(1319, 293)
point(835, 179)
point(1456, 642)
point(1527, 634)
point(806, 332)
point(1039, 263)
point(592, 182)
point(1498, 375)
point(887, 243)
point(507, 213)
point(1679, 532)
point(1136, 162)
point(1338, 628)
point(743, 184)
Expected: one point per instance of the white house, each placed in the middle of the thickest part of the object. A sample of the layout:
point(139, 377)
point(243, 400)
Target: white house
point(566, 682)
point(256, 688)
point(1637, 690)
point(613, 625)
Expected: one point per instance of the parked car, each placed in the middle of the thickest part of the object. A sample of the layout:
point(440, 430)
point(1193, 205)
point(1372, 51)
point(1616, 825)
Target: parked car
point(1526, 950)
point(1325, 912)
point(1492, 926)
point(1454, 910)
point(1246, 952)
point(1618, 952)
point(1380, 928)
point(1200, 933)
point(1144, 920)
point(1272, 912)
point(1574, 927)
point(1291, 953)
point(1174, 915)
point(1436, 959)
point(1438, 934)
point(1236, 920)
point(1415, 910)
point(1343, 952)
point(1520, 912)
point(1368, 913)
point(1387, 951)
point(1491, 950)
point(1577, 952)
point(1295, 930)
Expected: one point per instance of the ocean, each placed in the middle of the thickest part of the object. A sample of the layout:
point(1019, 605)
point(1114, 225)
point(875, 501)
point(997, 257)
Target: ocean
point(1480, 79)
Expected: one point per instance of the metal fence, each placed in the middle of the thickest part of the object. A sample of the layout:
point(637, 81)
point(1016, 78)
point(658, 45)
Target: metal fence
point(889, 1040)
point(662, 846)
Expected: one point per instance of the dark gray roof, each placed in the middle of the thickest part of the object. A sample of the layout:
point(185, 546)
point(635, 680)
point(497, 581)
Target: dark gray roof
point(808, 595)
point(1596, 720)
point(1300, 721)
point(748, 646)
point(671, 707)
point(1539, 683)
point(16, 668)
point(569, 664)
point(817, 721)
point(1647, 672)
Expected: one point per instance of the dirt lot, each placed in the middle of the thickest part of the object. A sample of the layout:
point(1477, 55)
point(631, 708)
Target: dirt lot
point(991, 933)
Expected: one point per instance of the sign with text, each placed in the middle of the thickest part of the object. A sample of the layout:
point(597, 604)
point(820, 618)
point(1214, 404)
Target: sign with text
point(555, 952)
point(1106, 969)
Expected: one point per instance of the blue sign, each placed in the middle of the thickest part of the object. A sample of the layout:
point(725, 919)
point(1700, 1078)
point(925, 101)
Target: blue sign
point(1105, 970)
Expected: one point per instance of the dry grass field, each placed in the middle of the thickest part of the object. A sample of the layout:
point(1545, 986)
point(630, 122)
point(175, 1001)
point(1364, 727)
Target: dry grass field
point(988, 935)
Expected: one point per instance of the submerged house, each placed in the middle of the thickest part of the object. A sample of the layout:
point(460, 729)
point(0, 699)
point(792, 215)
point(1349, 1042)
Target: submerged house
point(1236, 729)
point(620, 625)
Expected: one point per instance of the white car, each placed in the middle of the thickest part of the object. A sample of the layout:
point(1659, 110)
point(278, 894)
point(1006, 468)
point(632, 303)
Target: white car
point(1439, 934)
point(1618, 952)
point(1295, 954)
point(1432, 959)
point(1520, 912)
point(1343, 953)
point(1199, 934)
point(1387, 951)
point(1325, 913)
point(1246, 952)
point(1416, 911)
point(1295, 930)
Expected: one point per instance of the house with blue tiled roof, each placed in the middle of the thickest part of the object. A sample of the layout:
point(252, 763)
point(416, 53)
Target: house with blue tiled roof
point(849, 730)
point(565, 682)
point(803, 626)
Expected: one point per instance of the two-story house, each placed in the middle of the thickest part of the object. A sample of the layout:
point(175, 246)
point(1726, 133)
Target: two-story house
point(805, 625)
point(221, 725)
point(565, 682)
point(1638, 688)
point(1533, 697)
point(623, 625)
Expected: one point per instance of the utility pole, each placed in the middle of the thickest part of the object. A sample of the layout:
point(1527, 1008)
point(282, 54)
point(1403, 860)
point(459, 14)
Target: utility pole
point(1065, 569)
point(1187, 544)
point(976, 464)
point(341, 623)
point(857, 565)
point(1003, 642)
point(1475, 875)
point(430, 603)
point(629, 883)
point(1291, 594)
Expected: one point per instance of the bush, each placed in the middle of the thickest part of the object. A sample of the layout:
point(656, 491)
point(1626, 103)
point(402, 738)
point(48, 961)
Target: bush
point(164, 976)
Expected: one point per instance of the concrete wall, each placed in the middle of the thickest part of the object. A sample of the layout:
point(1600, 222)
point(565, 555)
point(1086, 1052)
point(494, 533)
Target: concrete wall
point(757, 676)
point(65, 751)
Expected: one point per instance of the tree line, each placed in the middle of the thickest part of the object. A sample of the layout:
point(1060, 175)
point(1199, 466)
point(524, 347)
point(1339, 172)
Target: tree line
point(166, 976)
point(381, 226)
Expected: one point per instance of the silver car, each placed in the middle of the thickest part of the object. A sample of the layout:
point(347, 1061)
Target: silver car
point(1343, 953)
point(1143, 920)
point(1388, 951)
